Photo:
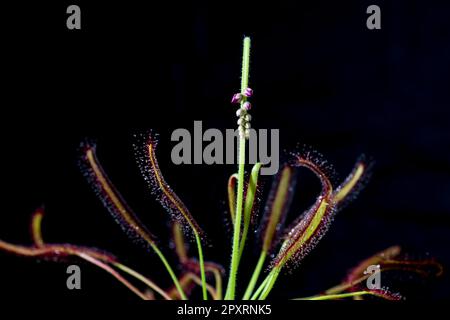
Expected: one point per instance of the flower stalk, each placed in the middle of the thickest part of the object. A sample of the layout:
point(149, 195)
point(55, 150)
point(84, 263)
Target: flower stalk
point(230, 293)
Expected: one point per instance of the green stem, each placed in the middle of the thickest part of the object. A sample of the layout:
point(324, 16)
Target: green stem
point(170, 270)
point(143, 279)
point(270, 283)
point(336, 296)
point(202, 265)
point(243, 238)
point(230, 294)
point(260, 288)
point(255, 276)
point(112, 272)
point(237, 230)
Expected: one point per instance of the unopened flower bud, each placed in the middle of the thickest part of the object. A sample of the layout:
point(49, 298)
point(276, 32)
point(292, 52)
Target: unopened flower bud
point(237, 97)
point(248, 92)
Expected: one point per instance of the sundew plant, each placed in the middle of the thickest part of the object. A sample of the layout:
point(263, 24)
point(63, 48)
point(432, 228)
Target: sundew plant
point(279, 246)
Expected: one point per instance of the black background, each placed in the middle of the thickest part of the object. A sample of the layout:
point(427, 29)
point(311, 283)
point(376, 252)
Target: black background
point(319, 75)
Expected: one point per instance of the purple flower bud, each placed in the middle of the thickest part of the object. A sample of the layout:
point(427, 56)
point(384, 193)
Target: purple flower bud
point(237, 97)
point(247, 105)
point(248, 92)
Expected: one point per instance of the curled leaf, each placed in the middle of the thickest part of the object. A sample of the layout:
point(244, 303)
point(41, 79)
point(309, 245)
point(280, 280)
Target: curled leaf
point(36, 232)
point(149, 167)
point(354, 182)
point(376, 259)
point(111, 198)
point(310, 227)
point(249, 203)
point(357, 295)
point(391, 259)
point(251, 193)
point(387, 260)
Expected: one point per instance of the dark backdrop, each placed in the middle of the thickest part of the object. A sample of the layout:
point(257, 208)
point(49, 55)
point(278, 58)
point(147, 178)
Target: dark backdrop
point(319, 75)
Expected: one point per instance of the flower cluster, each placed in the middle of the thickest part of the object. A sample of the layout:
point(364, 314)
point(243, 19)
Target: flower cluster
point(242, 113)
